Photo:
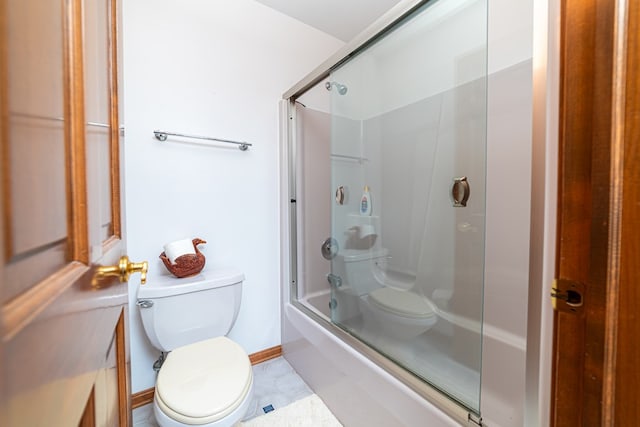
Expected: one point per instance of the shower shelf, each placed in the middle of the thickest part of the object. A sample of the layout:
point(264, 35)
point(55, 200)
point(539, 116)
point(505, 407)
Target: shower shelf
point(346, 158)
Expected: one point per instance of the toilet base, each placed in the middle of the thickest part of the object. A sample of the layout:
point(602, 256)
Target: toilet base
point(396, 327)
point(230, 420)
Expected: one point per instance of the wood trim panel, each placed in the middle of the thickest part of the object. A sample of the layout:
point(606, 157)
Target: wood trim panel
point(627, 354)
point(595, 356)
point(122, 366)
point(576, 51)
point(89, 415)
point(116, 219)
point(615, 212)
point(21, 310)
point(77, 222)
point(144, 397)
point(4, 135)
point(4, 184)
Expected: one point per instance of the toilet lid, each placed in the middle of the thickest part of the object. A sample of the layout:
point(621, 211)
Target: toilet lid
point(400, 302)
point(203, 382)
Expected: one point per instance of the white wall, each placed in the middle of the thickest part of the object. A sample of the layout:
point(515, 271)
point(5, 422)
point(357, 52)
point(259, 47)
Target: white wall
point(214, 68)
point(437, 50)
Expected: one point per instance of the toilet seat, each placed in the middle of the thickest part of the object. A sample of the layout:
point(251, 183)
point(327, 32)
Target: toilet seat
point(401, 303)
point(204, 382)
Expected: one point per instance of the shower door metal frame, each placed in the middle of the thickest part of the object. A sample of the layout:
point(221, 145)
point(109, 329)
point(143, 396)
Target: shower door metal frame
point(453, 408)
point(360, 42)
point(379, 28)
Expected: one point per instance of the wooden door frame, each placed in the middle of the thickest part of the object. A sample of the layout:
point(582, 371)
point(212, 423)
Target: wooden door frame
point(594, 356)
point(4, 134)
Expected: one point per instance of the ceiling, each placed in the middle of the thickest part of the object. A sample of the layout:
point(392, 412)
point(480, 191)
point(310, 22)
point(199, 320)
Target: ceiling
point(342, 19)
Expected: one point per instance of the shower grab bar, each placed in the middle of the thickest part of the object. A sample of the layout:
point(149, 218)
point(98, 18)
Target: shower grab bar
point(162, 136)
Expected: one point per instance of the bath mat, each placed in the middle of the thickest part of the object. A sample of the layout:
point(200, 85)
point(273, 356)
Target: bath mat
point(306, 412)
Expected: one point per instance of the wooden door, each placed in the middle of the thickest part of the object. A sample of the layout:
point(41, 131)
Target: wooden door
point(64, 354)
point(596, 351)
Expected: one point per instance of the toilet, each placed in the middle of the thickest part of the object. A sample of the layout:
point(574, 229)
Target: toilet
point(206, 379)
point(388, 304)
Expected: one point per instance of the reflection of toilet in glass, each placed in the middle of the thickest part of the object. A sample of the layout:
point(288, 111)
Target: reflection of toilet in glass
point(206, 379)
point(387, 303)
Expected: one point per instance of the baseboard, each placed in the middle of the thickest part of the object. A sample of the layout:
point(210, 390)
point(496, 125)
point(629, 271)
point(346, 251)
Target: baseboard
point(144, 397)
point(264, 355)
point(141, 398)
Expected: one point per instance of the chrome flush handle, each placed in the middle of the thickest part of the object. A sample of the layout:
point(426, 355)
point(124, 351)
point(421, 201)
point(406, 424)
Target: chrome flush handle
point(144, 303)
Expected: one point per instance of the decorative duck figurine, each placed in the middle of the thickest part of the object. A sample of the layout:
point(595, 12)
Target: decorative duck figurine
point(188, 264)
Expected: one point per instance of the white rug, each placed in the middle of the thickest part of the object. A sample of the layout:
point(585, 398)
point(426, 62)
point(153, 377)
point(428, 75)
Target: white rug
point(306, 412)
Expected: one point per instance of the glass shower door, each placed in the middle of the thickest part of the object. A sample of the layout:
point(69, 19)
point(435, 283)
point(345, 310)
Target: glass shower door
point(408, 142)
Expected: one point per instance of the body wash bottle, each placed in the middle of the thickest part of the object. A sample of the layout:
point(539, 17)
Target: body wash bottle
point(365, 202)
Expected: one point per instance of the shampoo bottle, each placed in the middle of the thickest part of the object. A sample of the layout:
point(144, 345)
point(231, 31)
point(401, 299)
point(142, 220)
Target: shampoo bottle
point(365, 202)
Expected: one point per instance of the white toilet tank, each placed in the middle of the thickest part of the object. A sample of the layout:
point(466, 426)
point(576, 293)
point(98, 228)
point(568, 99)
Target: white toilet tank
point(177, 312)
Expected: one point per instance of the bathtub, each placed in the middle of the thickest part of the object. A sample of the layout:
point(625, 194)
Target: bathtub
point(371, 391)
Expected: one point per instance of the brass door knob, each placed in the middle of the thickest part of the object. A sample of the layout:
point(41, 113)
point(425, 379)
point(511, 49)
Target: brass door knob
point(123, 270)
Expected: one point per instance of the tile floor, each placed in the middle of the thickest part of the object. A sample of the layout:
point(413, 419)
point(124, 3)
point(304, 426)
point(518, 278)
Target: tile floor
point(275, 383)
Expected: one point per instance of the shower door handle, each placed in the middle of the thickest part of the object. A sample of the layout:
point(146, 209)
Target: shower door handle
point(460, 192)
point(340, 195)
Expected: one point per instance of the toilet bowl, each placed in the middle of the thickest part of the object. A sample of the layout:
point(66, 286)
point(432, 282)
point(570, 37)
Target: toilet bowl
point(398, 311)
point(206, 379)
point(400, 314)
point(208, 383)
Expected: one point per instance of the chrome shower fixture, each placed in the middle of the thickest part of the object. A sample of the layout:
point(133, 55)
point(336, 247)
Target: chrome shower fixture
point(342, 89)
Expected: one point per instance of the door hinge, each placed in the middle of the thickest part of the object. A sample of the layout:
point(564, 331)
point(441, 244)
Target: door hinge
point(567, 296)
point(474, 420)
